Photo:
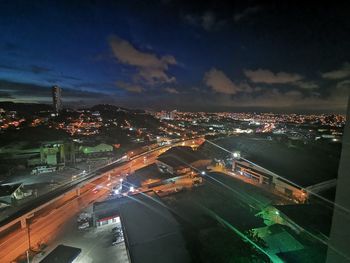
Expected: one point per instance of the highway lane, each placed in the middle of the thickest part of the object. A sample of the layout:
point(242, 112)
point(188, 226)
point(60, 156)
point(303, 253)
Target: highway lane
point(43, 199)
point(30, 205)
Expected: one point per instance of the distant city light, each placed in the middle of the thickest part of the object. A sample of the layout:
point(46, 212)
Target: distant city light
point(132, 189)
point(203, 173)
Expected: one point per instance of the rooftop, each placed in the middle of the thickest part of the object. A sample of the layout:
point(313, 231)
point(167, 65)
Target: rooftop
point(152, 233)
point(150, 172)
point(62, 254)
point(313, 217)
point(181, 156)
point(303, 164)
point(6, 190)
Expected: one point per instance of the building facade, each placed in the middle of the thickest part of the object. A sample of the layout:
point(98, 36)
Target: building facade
point(57, 99)
point(265, 177)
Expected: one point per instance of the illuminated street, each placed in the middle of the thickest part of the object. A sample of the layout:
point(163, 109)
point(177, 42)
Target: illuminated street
point(66, 208)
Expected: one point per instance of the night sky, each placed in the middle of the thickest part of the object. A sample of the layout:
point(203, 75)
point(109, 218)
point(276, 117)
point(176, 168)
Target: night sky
point(200, 55)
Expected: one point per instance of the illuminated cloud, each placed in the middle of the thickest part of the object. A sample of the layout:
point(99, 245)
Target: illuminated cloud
point(171, 90)
point(219, 82)
point(269, 77)
point(152, 69)
point(306, 85)
point(285, 101)
point(26, 92)
point(341, 73)
point(134, 88)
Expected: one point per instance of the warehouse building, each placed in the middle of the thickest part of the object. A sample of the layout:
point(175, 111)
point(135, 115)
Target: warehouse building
point(151, 233)
point(182, 160)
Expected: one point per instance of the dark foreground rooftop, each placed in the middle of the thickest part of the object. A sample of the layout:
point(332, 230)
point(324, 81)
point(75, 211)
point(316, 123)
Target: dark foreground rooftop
point(152, 233)
point(303, 164)
point(62, 254)
point(6, 190)
point(181, 155)
point(312, 217)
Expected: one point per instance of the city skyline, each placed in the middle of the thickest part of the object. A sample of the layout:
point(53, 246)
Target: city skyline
point(174, 55)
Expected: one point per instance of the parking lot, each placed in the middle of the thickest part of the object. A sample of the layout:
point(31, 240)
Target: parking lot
point(96, 244)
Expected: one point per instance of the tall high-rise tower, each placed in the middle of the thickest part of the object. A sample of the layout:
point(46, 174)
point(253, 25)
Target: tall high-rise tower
point(56, 98)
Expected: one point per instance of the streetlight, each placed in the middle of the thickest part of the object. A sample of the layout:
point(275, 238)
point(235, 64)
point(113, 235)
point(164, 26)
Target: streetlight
point(236, 155)
point(203, 173)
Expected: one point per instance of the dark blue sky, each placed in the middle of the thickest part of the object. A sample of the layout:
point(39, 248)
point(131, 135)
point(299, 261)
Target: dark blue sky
point(239, 56)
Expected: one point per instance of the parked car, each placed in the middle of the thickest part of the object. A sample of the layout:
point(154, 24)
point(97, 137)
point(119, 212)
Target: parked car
point(117, 240)
point(83, 225)
point(116, 229)
point(83, 217)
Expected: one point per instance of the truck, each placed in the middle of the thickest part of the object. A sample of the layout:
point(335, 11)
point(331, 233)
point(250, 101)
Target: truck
point(43, 169)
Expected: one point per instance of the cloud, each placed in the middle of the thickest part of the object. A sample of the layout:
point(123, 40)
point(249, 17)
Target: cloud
point(219, 82)
point(282, 101)
point(341, 73)
point(152, 69)
point(306, 85)
point(343, 86)
point(130, 87)
point(5, 95)
point(207, 20)
point(153, 76)
point(172, 90)
point(36, 69)
point(268, 77)
point(245, 13)
point(26, 92)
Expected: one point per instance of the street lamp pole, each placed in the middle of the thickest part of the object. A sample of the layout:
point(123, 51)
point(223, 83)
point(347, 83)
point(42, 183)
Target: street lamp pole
point(28, 233)
point(27, 252)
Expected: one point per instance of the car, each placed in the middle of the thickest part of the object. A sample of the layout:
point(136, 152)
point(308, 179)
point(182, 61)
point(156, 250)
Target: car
point(117, 240)
point(118, 234)
point(84, 225)
point(83, 217)
point(116, 229)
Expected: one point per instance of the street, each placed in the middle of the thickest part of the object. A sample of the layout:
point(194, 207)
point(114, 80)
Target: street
point(46, 223)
